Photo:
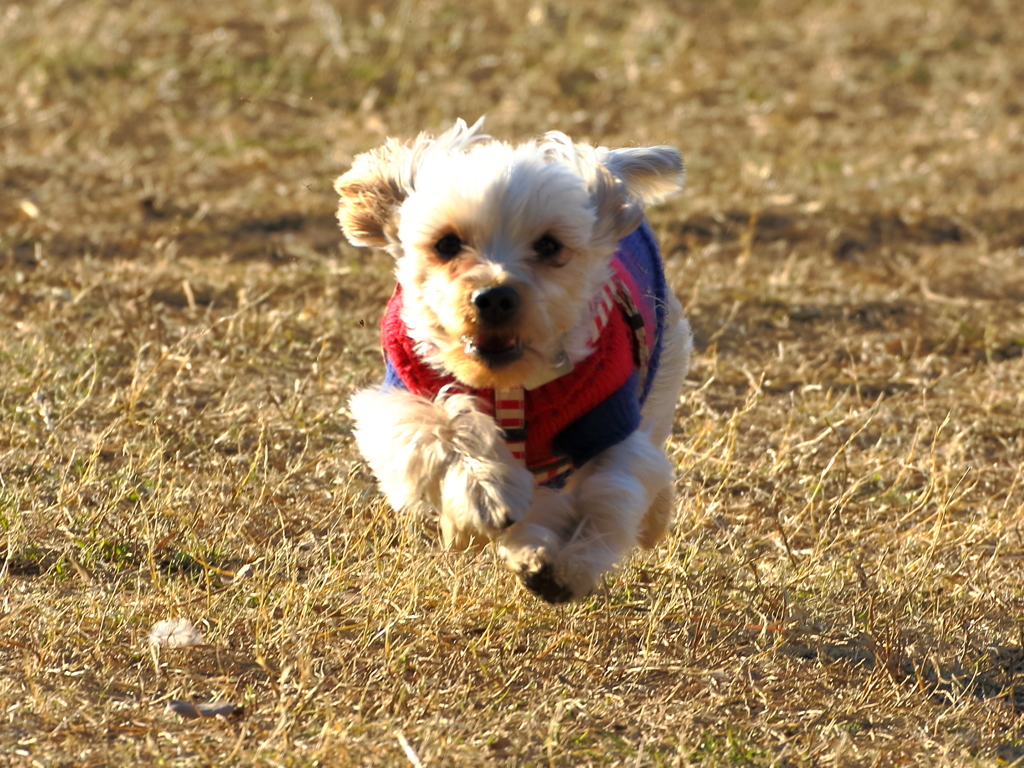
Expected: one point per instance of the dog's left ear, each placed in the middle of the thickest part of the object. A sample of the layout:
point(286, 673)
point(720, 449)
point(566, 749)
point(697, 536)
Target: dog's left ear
point(618, 212)
point(626, 180)
point(651, 174)
point(371, 192)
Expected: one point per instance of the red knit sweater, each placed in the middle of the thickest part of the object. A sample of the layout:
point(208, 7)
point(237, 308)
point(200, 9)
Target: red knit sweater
point(549, 408)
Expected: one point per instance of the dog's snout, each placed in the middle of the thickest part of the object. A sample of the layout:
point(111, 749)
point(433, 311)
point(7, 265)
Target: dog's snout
point(496, 304)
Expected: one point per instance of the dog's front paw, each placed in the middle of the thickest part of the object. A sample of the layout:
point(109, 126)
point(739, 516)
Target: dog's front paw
point(532, 552)
point(533, 565)
point(546, 586)
point(556, 580)
point(482, 498)
point(560, 580)
point(484, 489)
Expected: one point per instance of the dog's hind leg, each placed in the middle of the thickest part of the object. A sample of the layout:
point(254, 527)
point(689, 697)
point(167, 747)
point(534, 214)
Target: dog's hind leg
point(659, 412)
point(677, 345)
point(657, 518)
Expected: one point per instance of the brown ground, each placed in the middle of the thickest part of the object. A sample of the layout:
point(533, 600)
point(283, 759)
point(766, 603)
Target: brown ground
point(180, 326)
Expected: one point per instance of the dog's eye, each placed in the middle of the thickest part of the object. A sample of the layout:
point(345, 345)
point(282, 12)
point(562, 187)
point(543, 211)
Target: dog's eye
point(448, 247)
point(547, 248)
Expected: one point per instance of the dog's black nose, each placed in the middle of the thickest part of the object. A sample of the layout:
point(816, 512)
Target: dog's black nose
point(496, 304)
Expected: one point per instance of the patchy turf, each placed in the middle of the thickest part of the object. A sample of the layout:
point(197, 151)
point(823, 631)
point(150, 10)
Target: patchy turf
point(180, 326)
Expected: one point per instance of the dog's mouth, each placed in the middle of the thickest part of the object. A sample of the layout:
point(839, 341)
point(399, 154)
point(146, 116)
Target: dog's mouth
point(493, 350)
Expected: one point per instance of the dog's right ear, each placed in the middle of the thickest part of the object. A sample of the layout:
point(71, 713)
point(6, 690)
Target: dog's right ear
point(649, 173)
point(371, 192)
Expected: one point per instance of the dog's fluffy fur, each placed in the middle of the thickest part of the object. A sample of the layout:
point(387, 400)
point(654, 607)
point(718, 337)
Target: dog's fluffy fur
point(498, 200)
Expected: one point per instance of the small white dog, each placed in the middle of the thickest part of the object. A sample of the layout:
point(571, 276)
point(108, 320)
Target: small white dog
point(534, 353)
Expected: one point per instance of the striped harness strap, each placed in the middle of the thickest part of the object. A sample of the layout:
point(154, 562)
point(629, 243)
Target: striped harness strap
point(641, 355)
point(510, 413)
point(510, 404)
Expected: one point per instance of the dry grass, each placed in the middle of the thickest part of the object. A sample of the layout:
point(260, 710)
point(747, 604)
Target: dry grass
point(180, 326)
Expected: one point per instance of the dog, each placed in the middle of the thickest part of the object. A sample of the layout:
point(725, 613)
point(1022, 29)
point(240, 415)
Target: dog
point(534, 352)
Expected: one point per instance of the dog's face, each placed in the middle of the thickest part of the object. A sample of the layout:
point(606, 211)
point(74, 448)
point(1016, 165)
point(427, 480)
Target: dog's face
point(500, 248)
